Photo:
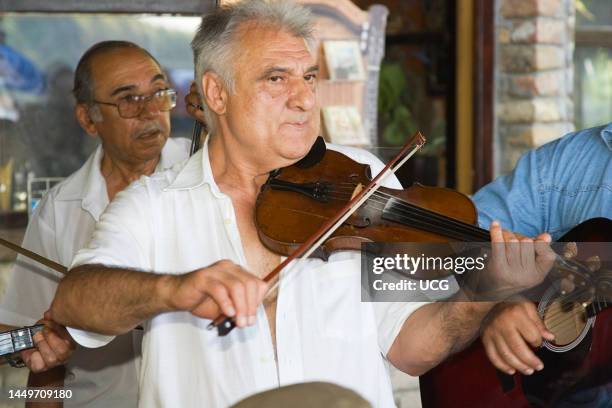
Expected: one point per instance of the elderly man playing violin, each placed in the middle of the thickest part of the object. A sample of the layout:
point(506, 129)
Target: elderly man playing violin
point(175, 250)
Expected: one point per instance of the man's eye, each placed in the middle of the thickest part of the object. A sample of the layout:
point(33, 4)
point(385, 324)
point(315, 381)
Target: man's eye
point(131, 98)
point(310, 77)
point(275, 78)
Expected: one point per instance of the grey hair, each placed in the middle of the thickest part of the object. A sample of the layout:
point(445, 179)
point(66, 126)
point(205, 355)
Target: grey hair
point(214, 42)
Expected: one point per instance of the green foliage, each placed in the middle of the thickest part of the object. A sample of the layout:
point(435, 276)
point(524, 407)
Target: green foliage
point(396, 115)
point(583, 10)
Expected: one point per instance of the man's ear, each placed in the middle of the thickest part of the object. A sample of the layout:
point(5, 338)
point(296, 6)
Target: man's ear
point(214, 92)
point(84, 117)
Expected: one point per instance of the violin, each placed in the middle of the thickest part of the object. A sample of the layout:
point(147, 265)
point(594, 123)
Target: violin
point(296, 200)
point(328, 202)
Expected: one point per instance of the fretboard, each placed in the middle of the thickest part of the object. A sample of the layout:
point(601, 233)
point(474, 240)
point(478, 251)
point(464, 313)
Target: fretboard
point(18, 339)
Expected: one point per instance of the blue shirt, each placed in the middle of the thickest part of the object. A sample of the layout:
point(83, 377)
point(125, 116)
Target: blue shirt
point(553, 188)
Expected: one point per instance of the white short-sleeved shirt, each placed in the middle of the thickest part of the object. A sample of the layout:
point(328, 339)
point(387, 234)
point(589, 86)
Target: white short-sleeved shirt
point(177, 221)
point(63, 223)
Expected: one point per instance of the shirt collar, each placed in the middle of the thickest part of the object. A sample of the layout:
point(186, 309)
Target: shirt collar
point(87, 183)
point(606, 135)
point(196, 172)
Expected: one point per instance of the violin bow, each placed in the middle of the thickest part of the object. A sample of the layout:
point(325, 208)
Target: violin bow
point(225, 324)
point(32, 255)
point(197, 130)
point(195, 138)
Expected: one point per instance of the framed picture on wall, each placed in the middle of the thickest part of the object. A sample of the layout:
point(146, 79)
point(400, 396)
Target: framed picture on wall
point(343, 125)
point(344, 61)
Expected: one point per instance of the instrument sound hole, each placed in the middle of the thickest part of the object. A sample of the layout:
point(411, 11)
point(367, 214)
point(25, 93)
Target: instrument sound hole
point(565, 320)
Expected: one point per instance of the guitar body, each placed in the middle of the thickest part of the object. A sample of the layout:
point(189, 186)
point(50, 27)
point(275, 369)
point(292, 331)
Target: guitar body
point(468, 379)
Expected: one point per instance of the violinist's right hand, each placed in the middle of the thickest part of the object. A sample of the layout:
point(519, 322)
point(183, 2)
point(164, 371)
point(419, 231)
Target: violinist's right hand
point(223, 287)
point(54, 346)
point(193, 104)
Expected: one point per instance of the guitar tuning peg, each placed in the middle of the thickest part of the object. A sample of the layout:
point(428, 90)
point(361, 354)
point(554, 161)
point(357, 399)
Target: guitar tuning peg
point(593, 263)
point(567, 284)
point(570, 250)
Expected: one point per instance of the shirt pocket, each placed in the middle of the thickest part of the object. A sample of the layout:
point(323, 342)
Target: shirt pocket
point(568, 206)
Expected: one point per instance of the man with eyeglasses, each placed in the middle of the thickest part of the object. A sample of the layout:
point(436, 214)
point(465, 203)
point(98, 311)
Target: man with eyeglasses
point(123, 99)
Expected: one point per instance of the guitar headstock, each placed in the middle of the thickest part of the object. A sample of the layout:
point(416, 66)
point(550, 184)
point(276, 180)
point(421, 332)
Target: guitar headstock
point(583, 273)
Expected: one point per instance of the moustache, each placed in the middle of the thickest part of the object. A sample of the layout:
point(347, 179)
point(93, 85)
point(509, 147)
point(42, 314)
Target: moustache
point(148, 129)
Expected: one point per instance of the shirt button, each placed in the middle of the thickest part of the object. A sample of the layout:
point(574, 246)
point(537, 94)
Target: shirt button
point(227, 221)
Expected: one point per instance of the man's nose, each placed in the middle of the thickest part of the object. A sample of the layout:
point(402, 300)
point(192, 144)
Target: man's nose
point(149, 109)
point(302, 94)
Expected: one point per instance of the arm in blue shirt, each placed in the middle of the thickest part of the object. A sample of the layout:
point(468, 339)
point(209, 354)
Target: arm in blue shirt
point(555, 187)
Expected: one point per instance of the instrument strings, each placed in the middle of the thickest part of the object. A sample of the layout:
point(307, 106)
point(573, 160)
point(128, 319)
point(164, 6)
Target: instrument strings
point(409, 213)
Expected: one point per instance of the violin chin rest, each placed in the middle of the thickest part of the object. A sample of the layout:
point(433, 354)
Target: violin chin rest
point(314, 156)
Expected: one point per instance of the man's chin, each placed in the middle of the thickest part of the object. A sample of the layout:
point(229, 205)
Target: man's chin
point(301, 143)
point(298, 152)
point(149, 148)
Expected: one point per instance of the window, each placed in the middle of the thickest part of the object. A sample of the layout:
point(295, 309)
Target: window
point(39, 136)
point(593, 63)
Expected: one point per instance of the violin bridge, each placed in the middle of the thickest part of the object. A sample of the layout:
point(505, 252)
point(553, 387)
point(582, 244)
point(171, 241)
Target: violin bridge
point(357, 190)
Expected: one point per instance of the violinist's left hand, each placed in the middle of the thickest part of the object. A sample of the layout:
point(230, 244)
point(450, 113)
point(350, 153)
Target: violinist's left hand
point(518, 263)
point(54, 346)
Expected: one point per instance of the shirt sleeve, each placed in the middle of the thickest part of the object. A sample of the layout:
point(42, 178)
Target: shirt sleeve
point(122, 238)
point(390, 317)
point(30, 286)
point(513, 199)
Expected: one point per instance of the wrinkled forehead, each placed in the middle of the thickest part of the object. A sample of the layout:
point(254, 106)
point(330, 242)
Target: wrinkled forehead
point(259, 41)
point(124, 67)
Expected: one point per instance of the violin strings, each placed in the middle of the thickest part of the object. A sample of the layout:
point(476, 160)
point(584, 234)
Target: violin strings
point(424, 217)
point(407, 214)
point(410, 214)
point(468, 229)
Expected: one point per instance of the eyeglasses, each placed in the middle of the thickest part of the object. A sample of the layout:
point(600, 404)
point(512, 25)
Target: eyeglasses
point(131, 106)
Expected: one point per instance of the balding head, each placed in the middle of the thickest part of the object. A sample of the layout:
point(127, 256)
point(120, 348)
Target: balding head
point(84, 86)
